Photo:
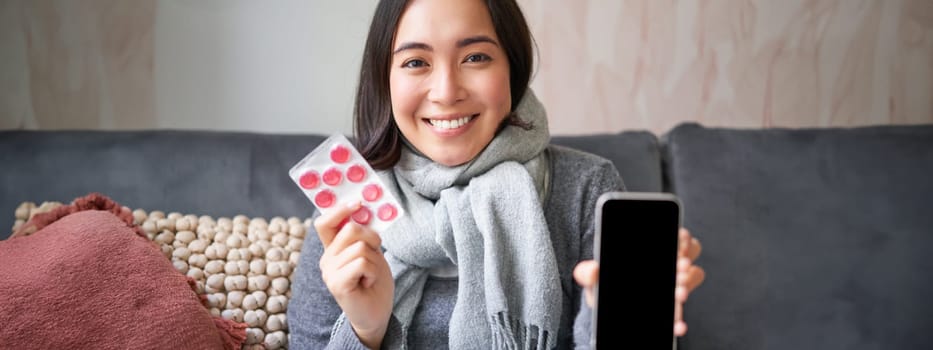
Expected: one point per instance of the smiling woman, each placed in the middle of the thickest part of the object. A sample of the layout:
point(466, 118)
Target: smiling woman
point(466, 46)
point(486, 256)
point(449, 79)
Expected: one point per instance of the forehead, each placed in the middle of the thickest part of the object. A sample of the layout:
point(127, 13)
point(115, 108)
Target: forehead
point(439, 21)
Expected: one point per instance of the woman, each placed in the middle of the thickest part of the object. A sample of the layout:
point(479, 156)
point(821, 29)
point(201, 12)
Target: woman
point(490, 249)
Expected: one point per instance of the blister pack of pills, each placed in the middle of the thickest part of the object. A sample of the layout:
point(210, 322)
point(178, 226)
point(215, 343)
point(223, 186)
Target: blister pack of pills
point(335, 173)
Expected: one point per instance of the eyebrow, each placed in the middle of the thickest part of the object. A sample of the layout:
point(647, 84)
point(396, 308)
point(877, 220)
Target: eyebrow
point(460, 43)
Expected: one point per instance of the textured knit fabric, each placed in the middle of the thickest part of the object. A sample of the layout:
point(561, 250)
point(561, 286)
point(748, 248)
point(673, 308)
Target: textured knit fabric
point(486, 218)
point(89, 279)
point(577, 179)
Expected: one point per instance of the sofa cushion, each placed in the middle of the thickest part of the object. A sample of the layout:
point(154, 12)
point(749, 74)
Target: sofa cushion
point(88, 279)
point(202, 248)
point(813, 239)
point(209, 173)
point(636, 154)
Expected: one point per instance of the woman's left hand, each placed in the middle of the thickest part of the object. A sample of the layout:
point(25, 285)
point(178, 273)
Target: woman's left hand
point(689, 276)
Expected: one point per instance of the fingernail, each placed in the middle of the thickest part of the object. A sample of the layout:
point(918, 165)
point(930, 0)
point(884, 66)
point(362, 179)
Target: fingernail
point(354, 204)
point(683, 264)
point(680, 329)
point(680, 293)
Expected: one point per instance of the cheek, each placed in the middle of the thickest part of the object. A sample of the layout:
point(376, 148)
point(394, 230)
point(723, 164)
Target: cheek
point(498, 93)
point(404, 99)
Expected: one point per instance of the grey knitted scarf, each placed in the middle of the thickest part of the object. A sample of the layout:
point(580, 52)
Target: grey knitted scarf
point(486, 218)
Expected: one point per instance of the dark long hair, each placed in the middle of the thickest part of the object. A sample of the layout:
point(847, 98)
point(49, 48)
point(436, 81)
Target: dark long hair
point(377, 136)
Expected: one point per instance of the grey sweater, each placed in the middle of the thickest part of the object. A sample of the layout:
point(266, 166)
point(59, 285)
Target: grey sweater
point(577, 180)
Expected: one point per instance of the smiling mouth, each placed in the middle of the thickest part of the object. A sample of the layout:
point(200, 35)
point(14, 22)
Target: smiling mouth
point(450, 124)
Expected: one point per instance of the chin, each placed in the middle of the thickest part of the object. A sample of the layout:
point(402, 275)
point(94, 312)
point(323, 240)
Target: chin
point(451, 160)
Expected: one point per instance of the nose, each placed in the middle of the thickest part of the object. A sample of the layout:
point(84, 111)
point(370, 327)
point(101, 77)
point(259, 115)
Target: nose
point(446, 86)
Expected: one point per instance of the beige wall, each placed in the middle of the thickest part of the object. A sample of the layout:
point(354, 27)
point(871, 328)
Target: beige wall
point(605, 65)
point(748, 63)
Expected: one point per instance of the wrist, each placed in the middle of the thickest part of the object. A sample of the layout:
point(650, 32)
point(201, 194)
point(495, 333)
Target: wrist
point(372, 338)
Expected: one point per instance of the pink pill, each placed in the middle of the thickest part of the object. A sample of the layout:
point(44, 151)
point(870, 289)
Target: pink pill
point(356, 173)
point(325, 199)
point(309, 180)
point(387, 212)
point(372, 192)
point(362, 215)
point(332, 176)
point(340, 154)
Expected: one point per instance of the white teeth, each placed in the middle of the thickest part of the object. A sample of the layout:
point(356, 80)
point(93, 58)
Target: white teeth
point(450, 124)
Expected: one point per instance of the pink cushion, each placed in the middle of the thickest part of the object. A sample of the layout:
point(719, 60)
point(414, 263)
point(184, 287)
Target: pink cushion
point(90, 280)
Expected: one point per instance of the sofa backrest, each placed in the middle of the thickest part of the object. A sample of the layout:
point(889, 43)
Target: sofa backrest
point(813, 239)
point(636, 154)
point(211, 173)
point(191, 172)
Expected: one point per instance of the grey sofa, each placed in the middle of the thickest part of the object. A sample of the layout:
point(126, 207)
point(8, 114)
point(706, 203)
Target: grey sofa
point(813, 238)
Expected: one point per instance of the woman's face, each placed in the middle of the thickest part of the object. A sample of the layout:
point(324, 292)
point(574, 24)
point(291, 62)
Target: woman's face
point(449, 79)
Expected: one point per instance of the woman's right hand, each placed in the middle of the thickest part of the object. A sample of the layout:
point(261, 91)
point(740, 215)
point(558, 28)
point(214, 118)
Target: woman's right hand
point(356, 273)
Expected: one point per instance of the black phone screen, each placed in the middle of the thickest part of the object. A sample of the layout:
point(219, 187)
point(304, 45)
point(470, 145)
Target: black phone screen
point(637, 252)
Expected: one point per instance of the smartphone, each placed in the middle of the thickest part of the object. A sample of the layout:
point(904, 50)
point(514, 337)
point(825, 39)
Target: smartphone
point(636, 247)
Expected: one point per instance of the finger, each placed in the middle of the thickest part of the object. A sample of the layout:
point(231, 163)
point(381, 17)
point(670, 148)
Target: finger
point(683, 241)
point(683, 264)
point(352, 233)
point(586, 273)
point(590, 296)
point(694, 249)
point(695, 276)
point(347, 236)
point(680, 294)
point(337, 256)
point(355, 251)
point(678, 312)
point(351, 276)
point(680, 328)
point(327, 225)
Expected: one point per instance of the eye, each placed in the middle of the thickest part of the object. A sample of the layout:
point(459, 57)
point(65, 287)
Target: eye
point(478, 57)
point(414, 63)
